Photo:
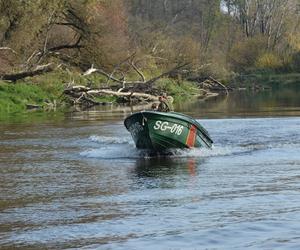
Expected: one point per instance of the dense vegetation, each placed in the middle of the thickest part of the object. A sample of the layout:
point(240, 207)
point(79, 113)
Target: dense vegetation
point(213, 37)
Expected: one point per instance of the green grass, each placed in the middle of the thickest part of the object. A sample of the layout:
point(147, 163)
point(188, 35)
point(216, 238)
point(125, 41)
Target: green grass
point(41, 89)
point(180, 90)
point(14, 97)
point(106, 98)
point(271, 79)
point(38, 90)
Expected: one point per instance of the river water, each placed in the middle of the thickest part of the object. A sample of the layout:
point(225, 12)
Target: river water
point(76, 181)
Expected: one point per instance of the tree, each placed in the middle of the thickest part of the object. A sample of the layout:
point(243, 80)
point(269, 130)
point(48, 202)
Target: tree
point(90, 31)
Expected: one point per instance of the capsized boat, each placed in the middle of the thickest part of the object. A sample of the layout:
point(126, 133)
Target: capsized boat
point(161, 131)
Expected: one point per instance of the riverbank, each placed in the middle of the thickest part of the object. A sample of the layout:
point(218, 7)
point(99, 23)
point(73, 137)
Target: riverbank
point(46, 92)
point(265, 80)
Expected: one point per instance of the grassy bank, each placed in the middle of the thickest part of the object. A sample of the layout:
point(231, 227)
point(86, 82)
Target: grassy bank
point(267, 79)
point(46, 91)
point(16, 97)
point(43, 91)
point(179, 90)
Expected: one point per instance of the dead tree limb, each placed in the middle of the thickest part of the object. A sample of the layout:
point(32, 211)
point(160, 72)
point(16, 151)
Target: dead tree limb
point(8, 48)
point(154, 79)
point(94, 92)
point(20, 75)
point(136, 69)
point(117, 67)
point(123, 94)
point(85, 96)
point(221, 84)
point(148, 83)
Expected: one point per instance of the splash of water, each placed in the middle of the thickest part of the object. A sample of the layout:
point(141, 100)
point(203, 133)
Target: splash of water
point(121, 148)
point(111, 140)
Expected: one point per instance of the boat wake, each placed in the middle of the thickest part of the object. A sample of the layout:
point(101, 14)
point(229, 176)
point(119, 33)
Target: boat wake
point(110, 147)
point(111, 140)
point(123, 148)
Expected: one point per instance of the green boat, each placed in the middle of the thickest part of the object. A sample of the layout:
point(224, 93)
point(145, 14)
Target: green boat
point(161, 131)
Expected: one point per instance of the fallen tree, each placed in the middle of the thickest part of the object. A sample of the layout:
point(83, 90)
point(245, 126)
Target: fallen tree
point(137, 85)
point(85, 96)
point(212, 84)
point(132, 92)
point(41, 69)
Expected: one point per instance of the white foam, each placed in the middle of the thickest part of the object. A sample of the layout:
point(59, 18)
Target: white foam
point(111, 140)
point(111, 152)
point(123, 147)
point(206, 152)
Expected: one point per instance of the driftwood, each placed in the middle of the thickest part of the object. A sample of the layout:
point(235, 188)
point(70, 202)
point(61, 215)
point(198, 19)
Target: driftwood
point(33, 106)
point(213, 85)
point(83, 95)
point(20, 75)
point(219, 83)
point(144, 96)
point(138, 91)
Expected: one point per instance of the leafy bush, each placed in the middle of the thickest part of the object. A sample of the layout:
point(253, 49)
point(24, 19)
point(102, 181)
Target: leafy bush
point(296, 62)
point(268, 60)
point(180, 90)
point(245, 54)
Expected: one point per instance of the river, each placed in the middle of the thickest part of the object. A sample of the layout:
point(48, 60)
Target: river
point(76, 181)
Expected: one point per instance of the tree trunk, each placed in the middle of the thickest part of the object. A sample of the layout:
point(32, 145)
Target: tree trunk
point(20, 75)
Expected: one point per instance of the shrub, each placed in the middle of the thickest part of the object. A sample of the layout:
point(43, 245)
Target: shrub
point(268, 60)
point(245, 54)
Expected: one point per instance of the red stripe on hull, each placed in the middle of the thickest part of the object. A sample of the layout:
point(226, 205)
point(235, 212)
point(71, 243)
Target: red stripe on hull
point(191, 138)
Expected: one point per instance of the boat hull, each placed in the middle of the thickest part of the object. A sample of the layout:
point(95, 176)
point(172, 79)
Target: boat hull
point(160, 131)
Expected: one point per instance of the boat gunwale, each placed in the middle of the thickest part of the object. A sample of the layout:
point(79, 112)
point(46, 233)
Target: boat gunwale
point(174, 115)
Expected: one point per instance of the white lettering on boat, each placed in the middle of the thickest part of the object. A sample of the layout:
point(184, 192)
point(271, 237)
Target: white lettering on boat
point(135, 128)
point(166, 126)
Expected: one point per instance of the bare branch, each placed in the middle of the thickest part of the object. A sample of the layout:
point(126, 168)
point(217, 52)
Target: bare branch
point(154, 79)
point(35, 53)
point(90, 71)
point(138, 71)
point(123, 82)
point(10, 49)
point(118, 66)
point(221, 84)
point(47, 32)
point(78, 91)
point(41, 69)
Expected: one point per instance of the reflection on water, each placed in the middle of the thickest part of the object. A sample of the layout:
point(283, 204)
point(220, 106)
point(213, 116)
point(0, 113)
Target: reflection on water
point(281, 101)
point(77, 182)
point(167, 166)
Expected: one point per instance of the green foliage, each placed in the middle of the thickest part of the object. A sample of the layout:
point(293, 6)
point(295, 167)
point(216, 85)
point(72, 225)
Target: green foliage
point(296, 62)
point(267, 78)
point(106, 99)
point(179, 90)
point(268, 61)
point(14, 97)
point(24, 22)
point(245, 54)
point(39, 90)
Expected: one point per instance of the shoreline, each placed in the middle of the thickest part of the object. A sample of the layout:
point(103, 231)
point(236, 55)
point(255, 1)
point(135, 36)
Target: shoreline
point(44, 96)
